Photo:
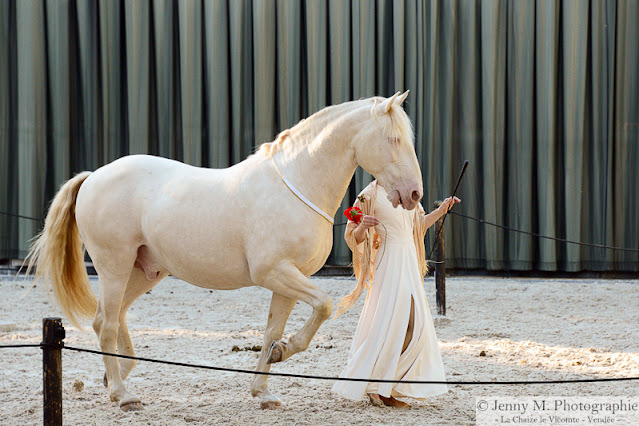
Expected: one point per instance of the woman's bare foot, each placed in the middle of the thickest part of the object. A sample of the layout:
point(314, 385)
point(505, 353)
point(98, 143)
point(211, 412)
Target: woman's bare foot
point(392, 402)
point(375, 400)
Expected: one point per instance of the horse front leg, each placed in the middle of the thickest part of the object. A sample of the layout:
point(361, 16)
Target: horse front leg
point(287, 280)
point(281, 307)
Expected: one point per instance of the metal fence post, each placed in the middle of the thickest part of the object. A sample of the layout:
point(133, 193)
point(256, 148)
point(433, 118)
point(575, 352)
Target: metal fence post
point(440, 266)
point(52, 341)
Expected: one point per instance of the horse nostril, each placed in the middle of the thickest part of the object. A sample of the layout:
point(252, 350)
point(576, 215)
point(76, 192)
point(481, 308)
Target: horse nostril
point(416, 196)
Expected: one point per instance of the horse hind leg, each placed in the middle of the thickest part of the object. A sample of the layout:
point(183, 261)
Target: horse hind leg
point(281, 307)
point(106, 325)
point(137, 285)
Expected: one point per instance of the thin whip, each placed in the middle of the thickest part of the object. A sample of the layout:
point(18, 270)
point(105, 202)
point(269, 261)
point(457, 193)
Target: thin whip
point(463, 170)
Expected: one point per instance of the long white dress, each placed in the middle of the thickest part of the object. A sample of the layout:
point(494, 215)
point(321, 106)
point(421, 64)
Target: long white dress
point(376, 351)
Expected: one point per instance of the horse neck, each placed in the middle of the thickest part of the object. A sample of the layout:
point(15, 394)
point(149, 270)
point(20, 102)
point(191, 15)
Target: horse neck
point(317, 157)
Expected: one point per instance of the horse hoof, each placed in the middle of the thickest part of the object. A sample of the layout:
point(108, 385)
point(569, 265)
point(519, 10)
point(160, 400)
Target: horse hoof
point(270, 405)
point(131, 406)
point(105, 381)
point(274, 353)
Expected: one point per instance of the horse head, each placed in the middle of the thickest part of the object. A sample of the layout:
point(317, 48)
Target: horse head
point(386, 149)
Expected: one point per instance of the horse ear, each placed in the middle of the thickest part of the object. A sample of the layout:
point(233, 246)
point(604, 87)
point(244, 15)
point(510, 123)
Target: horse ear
point(402, 98)
point(385, 106)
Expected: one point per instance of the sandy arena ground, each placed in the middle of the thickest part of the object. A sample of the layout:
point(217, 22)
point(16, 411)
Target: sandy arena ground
point(495, 329)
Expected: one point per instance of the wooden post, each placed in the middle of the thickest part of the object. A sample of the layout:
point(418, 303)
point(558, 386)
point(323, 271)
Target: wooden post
point(52, 336)
point(440, 268)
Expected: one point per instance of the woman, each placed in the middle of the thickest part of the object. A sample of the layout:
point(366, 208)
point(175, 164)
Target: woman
point(395, 338)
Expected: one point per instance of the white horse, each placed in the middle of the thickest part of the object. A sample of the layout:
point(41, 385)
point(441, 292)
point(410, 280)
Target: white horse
point(143, 217)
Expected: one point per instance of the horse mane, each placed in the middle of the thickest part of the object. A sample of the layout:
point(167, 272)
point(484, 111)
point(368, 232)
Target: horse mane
point(269, 148)
point(397, 125)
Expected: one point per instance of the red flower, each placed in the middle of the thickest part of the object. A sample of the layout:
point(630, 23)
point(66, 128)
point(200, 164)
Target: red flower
point(354, 214)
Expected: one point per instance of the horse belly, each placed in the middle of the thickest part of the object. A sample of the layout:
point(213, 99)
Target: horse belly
point(203, 255)
point(212, 274)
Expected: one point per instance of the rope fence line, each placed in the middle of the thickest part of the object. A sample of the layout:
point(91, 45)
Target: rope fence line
point(33, 345)
point(485, 222)
point(308, 376)
point(20, 216)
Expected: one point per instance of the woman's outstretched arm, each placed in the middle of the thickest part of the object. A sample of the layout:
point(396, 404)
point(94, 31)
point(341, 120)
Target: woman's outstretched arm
point(432, 217)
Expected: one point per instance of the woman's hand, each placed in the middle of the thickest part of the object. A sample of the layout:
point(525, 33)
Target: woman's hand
point(366, 222)
point(428, 220)
point(447, 204)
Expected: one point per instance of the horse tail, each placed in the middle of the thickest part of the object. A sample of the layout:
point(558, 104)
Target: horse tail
point(58, 256)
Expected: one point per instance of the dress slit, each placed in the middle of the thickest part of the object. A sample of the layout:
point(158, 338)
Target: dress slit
point(410, 328)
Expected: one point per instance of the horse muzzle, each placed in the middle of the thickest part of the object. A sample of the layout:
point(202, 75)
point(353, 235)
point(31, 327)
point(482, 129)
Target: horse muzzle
point(407, 198)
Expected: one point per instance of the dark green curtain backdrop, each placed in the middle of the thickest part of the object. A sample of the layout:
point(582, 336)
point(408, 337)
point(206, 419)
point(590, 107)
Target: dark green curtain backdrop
point(541, 96)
